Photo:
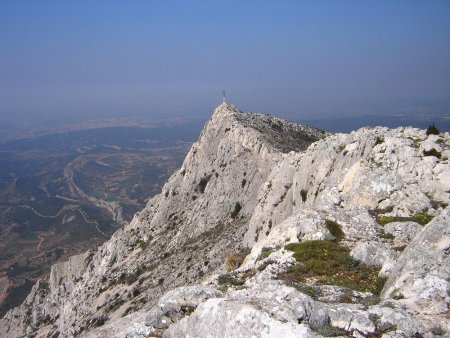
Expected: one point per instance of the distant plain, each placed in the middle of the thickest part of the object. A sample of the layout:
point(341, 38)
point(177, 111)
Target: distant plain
point(64, 193)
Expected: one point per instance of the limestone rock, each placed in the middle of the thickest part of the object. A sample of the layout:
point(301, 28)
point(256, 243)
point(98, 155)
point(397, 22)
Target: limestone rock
point(375, 254)
point(176, 303)
point(267, 310)
point(403, 231)
point(420, 278)
point(131, 326)
point(256, 182)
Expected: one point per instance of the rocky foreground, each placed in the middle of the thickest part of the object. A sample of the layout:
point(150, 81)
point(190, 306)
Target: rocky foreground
point(269, 229)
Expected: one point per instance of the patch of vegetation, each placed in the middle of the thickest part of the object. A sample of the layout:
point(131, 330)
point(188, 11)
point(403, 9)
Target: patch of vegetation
point(438, 331)
point(441, 142)
point(304, 194)
point(307, 290)
point(265, 252)
point(227, 279)
point(432, 152)
point(433, 130)
point(203, 182)
point(142, 244)
point(187, 310)
point(281, 198)
point(42, 285)
point(341, 148)
point(330, 263)
point(328, 330)
point(400, 248)
point(421, 218)
point(379, 140)
point(386, 236)
point(235, 260)
point(396, 294)
point(335, 229)
point(265, 264)
point(381, 327)
point(438, 204)
point(236, 210)
point(98, 321)
point(389, 219)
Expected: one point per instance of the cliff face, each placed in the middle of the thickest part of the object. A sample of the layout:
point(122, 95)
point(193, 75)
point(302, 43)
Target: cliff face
point(255, 181)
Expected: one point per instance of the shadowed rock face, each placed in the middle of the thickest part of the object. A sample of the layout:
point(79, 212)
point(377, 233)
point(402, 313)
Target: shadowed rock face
point(255, 181)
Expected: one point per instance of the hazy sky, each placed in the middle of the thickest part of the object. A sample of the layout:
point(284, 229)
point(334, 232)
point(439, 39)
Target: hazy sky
point(297, 58)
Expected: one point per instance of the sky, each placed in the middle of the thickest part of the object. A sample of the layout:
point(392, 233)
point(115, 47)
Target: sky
point(299, 59)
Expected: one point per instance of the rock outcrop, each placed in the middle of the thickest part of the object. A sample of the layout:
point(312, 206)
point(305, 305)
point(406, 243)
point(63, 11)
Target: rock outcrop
point(201, 258)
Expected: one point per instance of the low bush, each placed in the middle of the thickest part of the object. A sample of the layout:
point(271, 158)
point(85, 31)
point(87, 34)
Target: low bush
point(203, 182)
point(265, 252)
point(421, 218)
point(304, 195)
point(379, 140)
point(335, 229)
point(229, 280)
point(328, 330)
point(236, 210)
point(432, 130)
point(330, 263)
point(234, 260)
point(438, 331)
point(432, 152)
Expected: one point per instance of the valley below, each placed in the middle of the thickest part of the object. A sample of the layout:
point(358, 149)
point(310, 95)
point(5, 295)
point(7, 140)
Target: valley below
point(66, 193)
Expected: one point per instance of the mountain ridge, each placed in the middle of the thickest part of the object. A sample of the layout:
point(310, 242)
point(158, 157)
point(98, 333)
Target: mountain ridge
point(251, 181)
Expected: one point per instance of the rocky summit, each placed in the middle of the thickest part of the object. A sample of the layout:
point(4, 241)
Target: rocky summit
point(269, 229)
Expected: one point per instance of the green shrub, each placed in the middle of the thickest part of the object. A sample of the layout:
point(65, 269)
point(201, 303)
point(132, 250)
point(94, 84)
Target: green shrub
point(265, 252)
point(438, 331)
point(386, 236)
point(335, 229)
point(304, 194)
point(226, 279)
point(142, 245)
point(203, 182)
point(438, 204)
point(432, 130)
point(236, 210)
point(421, 218)
point(396, 294)
point(330, 263)
point(327, 330)
point(379, 140)
point(400, 248)
point(307, 290)
point(432, 152)
point(387, 219)
point(235, 259)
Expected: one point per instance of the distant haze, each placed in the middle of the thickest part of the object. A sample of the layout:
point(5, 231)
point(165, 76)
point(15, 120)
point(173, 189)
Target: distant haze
point(63, 61)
